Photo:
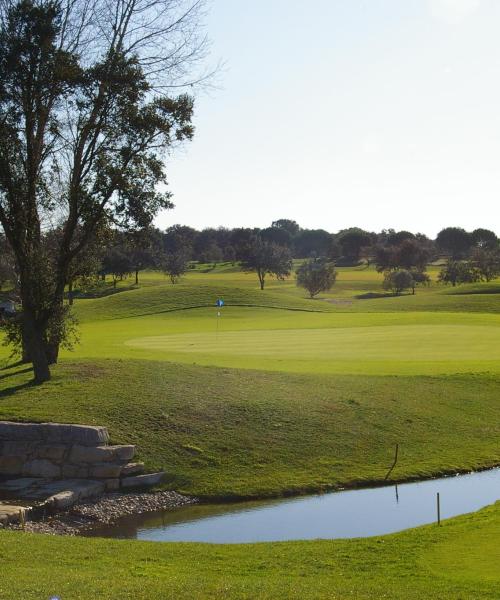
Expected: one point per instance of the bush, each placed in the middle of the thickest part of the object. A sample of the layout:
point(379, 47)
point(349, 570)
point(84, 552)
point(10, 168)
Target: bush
point(316, 275)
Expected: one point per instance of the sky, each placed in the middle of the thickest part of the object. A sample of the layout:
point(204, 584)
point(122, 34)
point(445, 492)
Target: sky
point(338, 113)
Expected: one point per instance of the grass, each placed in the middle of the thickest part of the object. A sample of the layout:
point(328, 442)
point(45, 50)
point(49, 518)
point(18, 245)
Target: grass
point(262, 433)
point(290, 395)
point(457, 561)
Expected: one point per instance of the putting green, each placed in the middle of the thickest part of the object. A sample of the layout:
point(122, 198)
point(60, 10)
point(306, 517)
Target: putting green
point(416, 349)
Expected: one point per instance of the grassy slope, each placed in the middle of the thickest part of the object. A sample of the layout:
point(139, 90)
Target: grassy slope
point(226, 432)
point(458, 561)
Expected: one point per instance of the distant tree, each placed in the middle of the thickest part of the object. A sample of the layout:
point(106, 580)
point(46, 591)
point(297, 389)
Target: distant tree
point(484, 239)
point(266, 258)
point(242, 240)
point(179, 238)
point(458, 272)
point(84, 270)
point(143, 247)
point(116, 262)
point(398, 281)
point(313, 242)
point(174, 265)
point(277, 235)
point(316, 275)
point(7, 263)
point(409, 254)
point(211, 254)
point(454, 241)
point(419, 278)
point(487, 262)
point(230, 254)
point(394, 238)
point(289, 225)
point(352, 241)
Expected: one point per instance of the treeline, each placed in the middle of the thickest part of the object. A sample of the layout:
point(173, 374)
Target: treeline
point(348, 246)
point(401, 255)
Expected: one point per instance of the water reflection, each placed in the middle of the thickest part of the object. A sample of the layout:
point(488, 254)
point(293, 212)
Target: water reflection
point(354, 513)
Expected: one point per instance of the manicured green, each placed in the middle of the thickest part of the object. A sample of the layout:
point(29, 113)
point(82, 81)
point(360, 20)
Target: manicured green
point(457, 561)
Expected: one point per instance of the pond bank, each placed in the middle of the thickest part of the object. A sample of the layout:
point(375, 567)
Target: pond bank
point(104, 510)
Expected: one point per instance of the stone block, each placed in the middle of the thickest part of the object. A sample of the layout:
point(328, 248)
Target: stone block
point(105, 471)
point(17, 448)
point(123, 453)
point(78, 471)
point(112, 485)
point(41, 468)
point(100, 454)
point(84, 435)
point(54, 452)
point(141, 481)
point(11, 465)
point(20, 431)
point(136, 468)
point(63, 500)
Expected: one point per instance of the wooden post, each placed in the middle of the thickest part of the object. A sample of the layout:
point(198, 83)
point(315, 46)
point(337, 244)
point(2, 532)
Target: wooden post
point(438, 502)
point(394, 463)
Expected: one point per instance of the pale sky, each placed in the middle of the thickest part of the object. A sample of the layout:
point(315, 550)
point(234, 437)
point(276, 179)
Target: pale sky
point(339, 113)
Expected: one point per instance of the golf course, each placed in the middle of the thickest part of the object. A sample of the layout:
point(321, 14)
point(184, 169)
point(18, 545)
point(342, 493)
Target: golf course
point(269, 395)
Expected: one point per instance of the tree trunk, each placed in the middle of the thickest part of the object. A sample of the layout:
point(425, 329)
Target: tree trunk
point(136, 277)
point(25, 355)
point(33, 334)
point(52, 352)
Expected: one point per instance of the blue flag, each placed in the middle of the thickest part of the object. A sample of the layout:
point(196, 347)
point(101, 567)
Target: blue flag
point(219, 302)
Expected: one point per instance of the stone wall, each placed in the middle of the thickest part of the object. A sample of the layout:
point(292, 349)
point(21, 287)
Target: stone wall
point(59, 451)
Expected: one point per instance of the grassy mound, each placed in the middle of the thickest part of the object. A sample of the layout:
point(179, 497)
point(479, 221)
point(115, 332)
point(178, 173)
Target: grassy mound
point(242, 433)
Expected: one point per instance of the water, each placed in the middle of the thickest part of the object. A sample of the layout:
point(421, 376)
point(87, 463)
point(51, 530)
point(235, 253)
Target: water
point(353, 513)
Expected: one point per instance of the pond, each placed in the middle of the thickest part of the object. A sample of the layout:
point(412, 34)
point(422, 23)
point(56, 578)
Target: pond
point(345, 514)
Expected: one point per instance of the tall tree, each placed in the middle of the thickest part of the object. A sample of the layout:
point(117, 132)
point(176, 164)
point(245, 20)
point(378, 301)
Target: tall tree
point(265, 258)
point(86, 117)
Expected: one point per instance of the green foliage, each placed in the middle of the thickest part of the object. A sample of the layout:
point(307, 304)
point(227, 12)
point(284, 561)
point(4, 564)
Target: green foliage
point(174, 265)
point(316, 275)
point(398, 281)
point(267, 258)
point(458, 272)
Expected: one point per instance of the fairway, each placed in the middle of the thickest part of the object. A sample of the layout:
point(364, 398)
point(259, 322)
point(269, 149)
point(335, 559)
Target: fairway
point(422, 349)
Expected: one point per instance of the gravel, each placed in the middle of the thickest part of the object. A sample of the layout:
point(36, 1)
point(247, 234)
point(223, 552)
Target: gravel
point(105, 510)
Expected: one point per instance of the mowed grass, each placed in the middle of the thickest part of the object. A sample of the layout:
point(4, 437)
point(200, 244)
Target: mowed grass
point(290, 395)
point(457, 561)
point(231, 433)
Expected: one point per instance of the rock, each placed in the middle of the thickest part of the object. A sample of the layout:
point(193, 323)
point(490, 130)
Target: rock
point(112, 485)
point(105, 471)
point(10, 513)
point(63, 500)
point(124, 453)
point(17, 448)
point(54, 453)
point(136, 468)
point(78, 471)
point(20, 431)
point(99, 454)
point(19, 486)
point(140, 481)
point(41, 468)
point(84, 435)
point(11, 465)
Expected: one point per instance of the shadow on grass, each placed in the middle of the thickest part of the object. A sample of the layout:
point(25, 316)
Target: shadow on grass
point(12, 373)
point(374, 295)
point(10, 391)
